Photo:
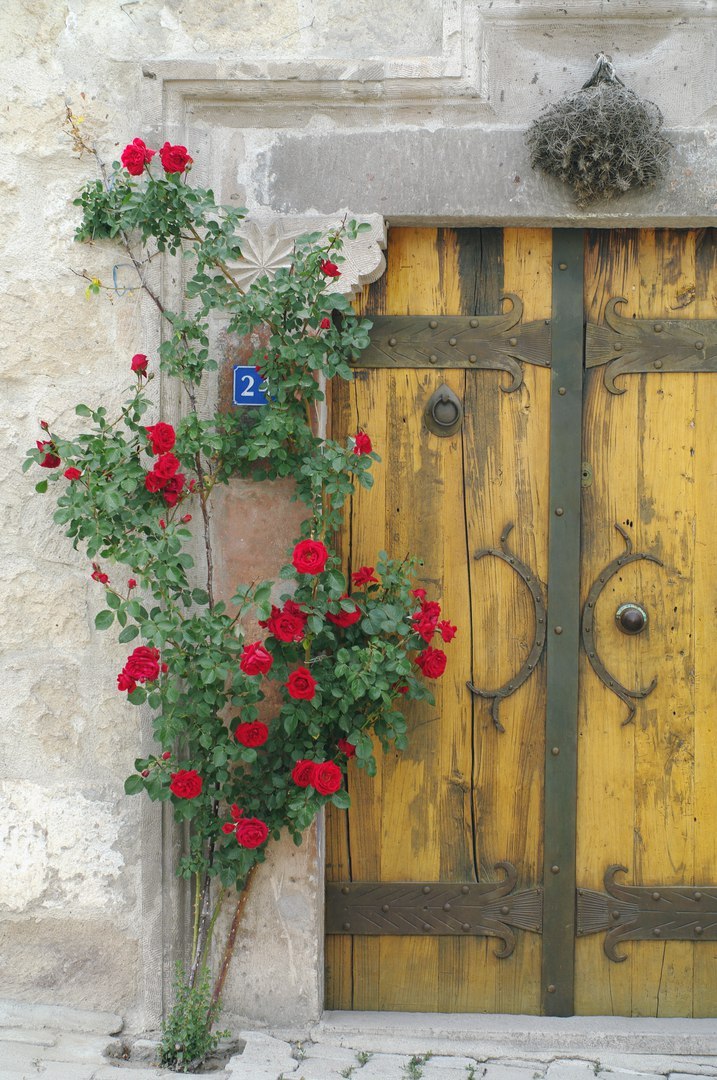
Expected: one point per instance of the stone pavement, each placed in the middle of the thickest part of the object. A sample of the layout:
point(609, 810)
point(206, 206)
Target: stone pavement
point(66, 1044)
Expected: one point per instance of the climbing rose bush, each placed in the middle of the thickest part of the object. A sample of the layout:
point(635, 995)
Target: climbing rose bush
point(343, 654)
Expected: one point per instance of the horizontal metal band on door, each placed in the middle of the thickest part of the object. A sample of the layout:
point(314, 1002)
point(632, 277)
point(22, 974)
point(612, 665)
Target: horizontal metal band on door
point(435, 908)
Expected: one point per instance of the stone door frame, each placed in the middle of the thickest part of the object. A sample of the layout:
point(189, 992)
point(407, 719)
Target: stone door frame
point(433, 100)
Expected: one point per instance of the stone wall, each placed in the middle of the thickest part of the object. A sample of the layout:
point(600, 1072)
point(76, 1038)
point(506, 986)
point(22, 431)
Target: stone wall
point(414, 111)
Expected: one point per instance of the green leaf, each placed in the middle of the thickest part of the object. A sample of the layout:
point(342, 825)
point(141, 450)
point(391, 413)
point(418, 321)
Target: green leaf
point(341, 799)
point(133, 785)
point(200, 596)
point(128, 634)
point(83, 410)
point(41, 487)
point(104, 619)
point(113, 601)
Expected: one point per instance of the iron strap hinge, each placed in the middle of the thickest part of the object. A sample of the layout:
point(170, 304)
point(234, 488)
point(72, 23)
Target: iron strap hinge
point(423, 908)
point(488, 342)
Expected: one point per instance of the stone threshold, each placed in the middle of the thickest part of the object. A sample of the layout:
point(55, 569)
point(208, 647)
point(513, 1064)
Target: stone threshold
point(482, 1035)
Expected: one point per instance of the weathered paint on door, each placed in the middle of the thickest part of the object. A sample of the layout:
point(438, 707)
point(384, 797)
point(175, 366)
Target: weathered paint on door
point(466, 796)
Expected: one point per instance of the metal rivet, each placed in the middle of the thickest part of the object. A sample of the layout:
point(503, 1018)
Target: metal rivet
point(433, 358)
point(555, 751)
point(562, 391)
point(347, 926)
point(656, 932)
point(555, 869)
point(657, 364)
point(698, 896)
point(617, 347)
point(452, 341)
point(513, 341)
point(384, 907)
point(699, 930)
point(557, 630)
point(472, 358)
point(474, 323)
point(699, 344)
point(505, 910)
point(466, 927)
point(655, 896)
point(345, 890)
point(658, 327)
point(433, 324)
point(446, 907)
point(464, 890)
point(426, 926)
point(615, 914)
point(559, 511)
point(562, 266)
point(551, 989)
point(426, 889)
point(392, 341)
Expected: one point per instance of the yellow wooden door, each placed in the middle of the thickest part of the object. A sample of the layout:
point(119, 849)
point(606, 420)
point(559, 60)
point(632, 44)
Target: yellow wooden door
point(647, 789)
point(480, 796)
point(460, 799)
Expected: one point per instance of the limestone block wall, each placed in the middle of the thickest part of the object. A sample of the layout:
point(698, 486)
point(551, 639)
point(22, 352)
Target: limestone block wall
point(414, 111)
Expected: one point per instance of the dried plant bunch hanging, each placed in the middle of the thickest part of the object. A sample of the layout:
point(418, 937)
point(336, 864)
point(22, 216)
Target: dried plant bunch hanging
point(603, 140)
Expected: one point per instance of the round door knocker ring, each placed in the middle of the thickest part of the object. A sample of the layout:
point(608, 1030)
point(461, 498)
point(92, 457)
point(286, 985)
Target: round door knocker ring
point(444, 413)
point(631, 619)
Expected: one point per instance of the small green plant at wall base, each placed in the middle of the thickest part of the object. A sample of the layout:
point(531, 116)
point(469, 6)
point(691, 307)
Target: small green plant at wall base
point(339, 652)
point(187, 1036)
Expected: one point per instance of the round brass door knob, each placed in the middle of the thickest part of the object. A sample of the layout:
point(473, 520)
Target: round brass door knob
point(631, 618)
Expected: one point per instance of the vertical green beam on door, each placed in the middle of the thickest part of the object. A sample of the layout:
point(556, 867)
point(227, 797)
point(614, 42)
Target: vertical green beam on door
point(563, 624)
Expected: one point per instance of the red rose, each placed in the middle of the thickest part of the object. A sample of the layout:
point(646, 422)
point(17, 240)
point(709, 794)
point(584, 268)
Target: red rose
point(301, 684)
point(131, 583)
point(329, 268)
point(251, 832)
point(162, 436)
point(432, 662)
point(425, 620)
point(135, 156)
point(420, 594)
point(362, 443)
point(174, 158)
point(325, 324)
point(186, 784)
point(401, 689)
point(162, 523)
point(166, 755)
point(72, 474)
point(124, 682)
point(255, 660)
point(143, 664)
point(302, 772)
point(97, 575)
point(326, 777)
point(345, 618)
point(309, 557)
point(173, 489)
point(448, 630)
point(364, 576)
point(254, 734)
point(166, 466)
point(153, 482)
point(139, 363)
point(287, 623)
point(186, 519)
point(346, 748)
point(50, 460)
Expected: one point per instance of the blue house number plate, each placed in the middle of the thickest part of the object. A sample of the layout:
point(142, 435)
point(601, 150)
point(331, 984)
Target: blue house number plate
point(247, 387)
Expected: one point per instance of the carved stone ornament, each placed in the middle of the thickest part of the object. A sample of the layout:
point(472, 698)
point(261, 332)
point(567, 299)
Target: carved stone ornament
point(268, 241)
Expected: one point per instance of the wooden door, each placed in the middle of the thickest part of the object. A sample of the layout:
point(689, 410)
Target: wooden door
point(490, 789)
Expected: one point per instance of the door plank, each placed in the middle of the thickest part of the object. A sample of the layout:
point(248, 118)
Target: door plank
point(705, 619)
point(605, 748)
